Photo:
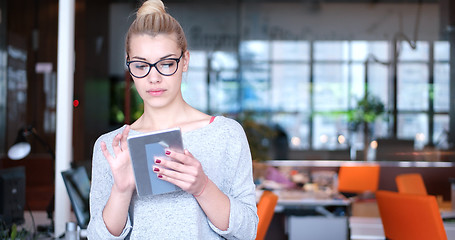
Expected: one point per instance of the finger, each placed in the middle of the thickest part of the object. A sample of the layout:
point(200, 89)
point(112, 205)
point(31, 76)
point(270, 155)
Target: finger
point(174, 174)
point(106, 153)
point(115, 144)
point(189, 186)
point(188, 153)
point(176, 166)
point(123, 142)
point(185, 158)
point(184, 185)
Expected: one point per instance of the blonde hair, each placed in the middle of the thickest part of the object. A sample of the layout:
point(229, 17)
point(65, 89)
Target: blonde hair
point(152, 19)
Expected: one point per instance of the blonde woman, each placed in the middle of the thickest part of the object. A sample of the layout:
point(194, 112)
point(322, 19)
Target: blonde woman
point(217, 196)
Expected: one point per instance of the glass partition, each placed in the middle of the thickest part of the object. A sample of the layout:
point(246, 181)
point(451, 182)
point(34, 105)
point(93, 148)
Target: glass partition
point(309, 88)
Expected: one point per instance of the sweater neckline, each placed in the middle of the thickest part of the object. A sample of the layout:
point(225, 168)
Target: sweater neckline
point(215, 120)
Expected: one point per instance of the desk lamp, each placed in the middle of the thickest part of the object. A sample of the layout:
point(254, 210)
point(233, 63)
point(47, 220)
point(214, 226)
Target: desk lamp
point(21, 149)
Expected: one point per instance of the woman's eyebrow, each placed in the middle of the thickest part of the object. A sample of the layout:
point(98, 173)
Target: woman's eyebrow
point(144, 59)
point(139, 58)
point(167, 56)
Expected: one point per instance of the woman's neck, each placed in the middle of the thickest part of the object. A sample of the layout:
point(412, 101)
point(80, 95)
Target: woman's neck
point(183, 116)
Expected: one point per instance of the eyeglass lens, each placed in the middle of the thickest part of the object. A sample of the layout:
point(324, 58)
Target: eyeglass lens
point(165, 67)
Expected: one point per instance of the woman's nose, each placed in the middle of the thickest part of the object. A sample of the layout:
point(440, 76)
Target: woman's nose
point(154, 76)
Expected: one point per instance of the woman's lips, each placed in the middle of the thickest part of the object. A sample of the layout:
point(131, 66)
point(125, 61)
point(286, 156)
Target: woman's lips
point(156, 92)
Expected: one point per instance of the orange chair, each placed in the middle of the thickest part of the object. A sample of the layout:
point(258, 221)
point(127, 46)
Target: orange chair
point(358, 179)
point(411, 183)
point(410, 216)
point(266, 209)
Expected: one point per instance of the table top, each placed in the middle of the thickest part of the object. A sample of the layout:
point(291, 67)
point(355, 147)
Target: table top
point(313, 202)
point(310, 198)
point(298, 198)
point(338, 163)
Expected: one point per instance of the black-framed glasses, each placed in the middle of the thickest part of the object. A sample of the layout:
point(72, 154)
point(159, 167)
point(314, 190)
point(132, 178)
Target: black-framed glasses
point(165, 67)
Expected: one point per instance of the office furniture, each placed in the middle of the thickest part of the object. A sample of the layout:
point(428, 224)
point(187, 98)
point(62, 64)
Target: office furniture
point(266, 210)
point(77, 185)
point(360, 182)
point(358, 179)
point(434, 173)
point(310, 215)
point(318, 227)
point(12, 196)
point(363, 228)
point(411, 183)
point(410, 216)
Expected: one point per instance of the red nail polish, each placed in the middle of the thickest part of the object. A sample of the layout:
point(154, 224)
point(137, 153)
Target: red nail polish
point(156, 169)
point(168, 152)
point(160, 176)
point(158, 161)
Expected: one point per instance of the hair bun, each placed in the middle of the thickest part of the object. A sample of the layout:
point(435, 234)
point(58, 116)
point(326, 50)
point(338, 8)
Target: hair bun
point(150, 7)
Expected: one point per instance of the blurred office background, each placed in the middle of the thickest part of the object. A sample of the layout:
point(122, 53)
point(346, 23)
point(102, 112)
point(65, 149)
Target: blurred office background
point(297, 67)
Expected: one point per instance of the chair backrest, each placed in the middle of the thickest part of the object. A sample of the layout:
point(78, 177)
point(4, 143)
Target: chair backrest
point(266, 209)
point(411, 183)
point(358, 178)
point(410, 216)
point(77, 184)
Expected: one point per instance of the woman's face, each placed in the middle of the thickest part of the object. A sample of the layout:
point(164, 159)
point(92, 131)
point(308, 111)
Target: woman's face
point(155, 89)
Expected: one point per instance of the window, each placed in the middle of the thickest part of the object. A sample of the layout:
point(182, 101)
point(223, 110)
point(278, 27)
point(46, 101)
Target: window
point(307, 87)
point(412, 86)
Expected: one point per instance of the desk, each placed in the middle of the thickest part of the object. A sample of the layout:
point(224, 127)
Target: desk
point(309, 215)
point(435, 174)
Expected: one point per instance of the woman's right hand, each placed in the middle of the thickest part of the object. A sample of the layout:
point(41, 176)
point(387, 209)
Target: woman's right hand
point(120, 163)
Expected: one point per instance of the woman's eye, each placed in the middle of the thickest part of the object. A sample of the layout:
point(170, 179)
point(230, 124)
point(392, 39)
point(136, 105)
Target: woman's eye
point(141, 66)
point(166, 64)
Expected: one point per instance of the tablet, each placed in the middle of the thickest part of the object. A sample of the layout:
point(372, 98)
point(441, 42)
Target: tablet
point(144, 149)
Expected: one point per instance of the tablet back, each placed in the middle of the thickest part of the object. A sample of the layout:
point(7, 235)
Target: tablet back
point(144, 149)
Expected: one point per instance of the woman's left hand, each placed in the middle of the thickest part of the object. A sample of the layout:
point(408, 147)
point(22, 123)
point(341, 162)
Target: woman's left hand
point(185, 172)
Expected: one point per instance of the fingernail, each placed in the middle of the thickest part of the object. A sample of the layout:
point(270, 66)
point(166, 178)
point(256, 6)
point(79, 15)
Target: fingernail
point(160, 176)
point(156, 169)
point(158, 161)
point(168, 152)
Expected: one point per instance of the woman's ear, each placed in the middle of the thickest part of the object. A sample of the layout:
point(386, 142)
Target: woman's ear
point(186, 60)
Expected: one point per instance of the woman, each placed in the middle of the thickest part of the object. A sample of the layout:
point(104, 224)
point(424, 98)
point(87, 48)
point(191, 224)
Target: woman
point(217, 199)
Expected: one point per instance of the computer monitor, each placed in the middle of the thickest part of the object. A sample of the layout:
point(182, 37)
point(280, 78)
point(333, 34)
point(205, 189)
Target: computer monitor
point(12, 196)
point(77, 185)
point(392, 149)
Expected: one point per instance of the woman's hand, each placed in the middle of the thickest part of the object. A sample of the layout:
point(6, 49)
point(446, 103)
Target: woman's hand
point(185, 172)
point(120, 162)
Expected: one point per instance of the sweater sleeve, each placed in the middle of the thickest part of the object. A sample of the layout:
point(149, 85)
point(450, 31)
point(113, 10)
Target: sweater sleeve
point(243, 217)
point(100, 191)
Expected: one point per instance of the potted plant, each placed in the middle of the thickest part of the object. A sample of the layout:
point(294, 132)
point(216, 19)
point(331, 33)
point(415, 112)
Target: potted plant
point(368, 109)
point(259, 137)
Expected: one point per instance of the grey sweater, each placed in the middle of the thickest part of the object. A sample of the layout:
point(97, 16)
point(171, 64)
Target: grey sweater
point(222, 148)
